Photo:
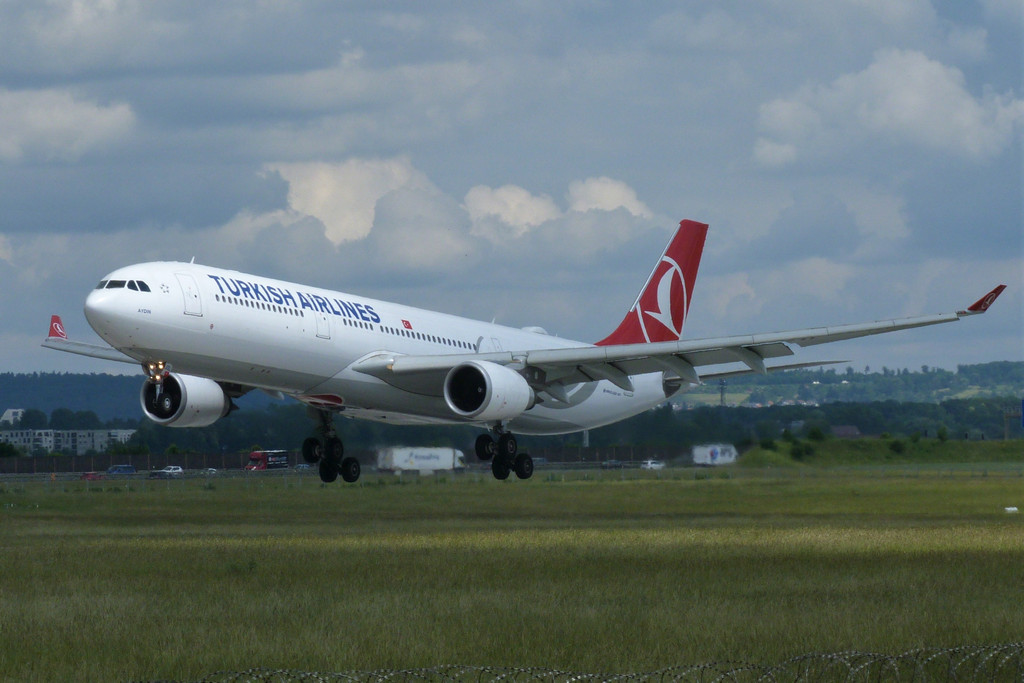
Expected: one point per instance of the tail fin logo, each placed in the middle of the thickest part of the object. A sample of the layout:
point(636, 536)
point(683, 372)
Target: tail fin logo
point(669, 302)
point(57, 327)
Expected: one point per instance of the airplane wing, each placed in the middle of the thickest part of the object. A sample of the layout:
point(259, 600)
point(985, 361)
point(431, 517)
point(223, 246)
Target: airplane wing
point(551, 370)
point(58, 339)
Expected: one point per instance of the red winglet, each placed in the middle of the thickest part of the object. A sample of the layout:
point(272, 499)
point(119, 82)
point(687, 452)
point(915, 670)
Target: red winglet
point(982, 304)
point(57, 327)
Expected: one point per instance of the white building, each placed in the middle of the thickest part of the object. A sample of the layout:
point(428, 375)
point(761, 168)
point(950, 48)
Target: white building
point(72, 442)
point(11, 416)
point(29, 440)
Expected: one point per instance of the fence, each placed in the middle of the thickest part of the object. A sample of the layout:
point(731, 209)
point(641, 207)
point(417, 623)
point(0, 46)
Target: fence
point(230, 461)
point(971, 663)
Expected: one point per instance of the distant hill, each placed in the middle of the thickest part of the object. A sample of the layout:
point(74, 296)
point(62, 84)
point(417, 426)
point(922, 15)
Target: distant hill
point(927, 385)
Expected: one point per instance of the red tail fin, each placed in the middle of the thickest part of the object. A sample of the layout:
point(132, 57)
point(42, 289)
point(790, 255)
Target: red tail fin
point(660, 310)
point(57, 327)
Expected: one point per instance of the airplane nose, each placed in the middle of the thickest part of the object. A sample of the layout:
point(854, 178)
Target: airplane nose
point(98, 310)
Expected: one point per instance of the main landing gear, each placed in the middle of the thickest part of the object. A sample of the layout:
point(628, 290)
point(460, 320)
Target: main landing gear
point(504, 455)
point(328, 450)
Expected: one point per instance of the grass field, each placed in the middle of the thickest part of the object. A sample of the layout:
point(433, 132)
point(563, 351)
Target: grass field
point(173, 580)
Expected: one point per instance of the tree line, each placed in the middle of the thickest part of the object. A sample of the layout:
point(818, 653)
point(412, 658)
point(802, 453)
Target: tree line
point(113, 397)
point(285, 425)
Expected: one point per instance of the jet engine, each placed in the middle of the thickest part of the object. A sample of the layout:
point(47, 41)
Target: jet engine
point(487, 392)
point(184, 401)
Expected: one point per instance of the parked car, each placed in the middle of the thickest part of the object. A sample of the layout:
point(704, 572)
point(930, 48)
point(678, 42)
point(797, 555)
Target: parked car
point(121, 469)
point(169, 472)
point(652, 465)
point(92, 476)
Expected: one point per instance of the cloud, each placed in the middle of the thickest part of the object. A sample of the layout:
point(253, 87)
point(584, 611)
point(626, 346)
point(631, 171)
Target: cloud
point(1005, 10)
point(605, 194)
point(53, 124)
point(881, 219)
point(343, 196)
point(511, 211)
point(419, 230)
point(902, 98)
point(715, 30)
point(774, 154)
point(513, 207)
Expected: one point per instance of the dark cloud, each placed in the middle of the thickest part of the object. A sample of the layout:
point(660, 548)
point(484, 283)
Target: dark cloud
point(110, 197)
point(815, 225)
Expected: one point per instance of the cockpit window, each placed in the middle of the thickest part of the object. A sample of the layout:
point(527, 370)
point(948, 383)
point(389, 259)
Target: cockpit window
point(143, 287)
point(102, 284)
point(116, 284)
point(132, 285)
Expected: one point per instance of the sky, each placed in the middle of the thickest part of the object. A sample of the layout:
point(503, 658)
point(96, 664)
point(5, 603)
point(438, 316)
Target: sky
point(525, 162)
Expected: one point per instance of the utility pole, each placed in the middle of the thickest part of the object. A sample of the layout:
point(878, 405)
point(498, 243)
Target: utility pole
point(1009, 415)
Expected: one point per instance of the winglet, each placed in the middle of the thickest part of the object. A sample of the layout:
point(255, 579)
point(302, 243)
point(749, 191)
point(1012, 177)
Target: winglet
point(57, 328)
point(982, 304)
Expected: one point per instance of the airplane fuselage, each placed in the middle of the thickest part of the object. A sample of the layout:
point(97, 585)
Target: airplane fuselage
point(305, 342)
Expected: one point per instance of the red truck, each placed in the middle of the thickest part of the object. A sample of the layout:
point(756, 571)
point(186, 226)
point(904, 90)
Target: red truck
point(267, 460)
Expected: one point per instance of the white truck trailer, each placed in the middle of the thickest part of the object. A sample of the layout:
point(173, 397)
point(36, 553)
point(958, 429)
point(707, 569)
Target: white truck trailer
point(714, 454)
point(422, 460)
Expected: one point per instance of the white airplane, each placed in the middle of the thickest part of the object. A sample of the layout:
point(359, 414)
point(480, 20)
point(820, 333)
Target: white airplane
point(205, 336)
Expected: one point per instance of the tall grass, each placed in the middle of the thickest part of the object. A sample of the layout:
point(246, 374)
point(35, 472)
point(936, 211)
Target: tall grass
point(174, 581)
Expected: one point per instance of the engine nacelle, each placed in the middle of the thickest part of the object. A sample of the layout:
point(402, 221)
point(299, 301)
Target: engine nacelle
point(184, 401)
point(485, 391)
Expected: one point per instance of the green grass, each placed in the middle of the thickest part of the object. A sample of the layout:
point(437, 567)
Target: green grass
point(874, 452)
point(176, 580)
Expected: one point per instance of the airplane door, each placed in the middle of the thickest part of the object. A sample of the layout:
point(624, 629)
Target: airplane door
point(189, 289)
point(484, 345)
point(323, 326)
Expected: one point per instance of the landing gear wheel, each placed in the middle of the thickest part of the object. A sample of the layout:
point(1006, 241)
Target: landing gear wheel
point(312, 450)
point(329, 464)
point(334, 450)
point(500, 468)
point(507, 446)
point(523, 466)
point(485, 447)
point(350, 469)
point(328, 471)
